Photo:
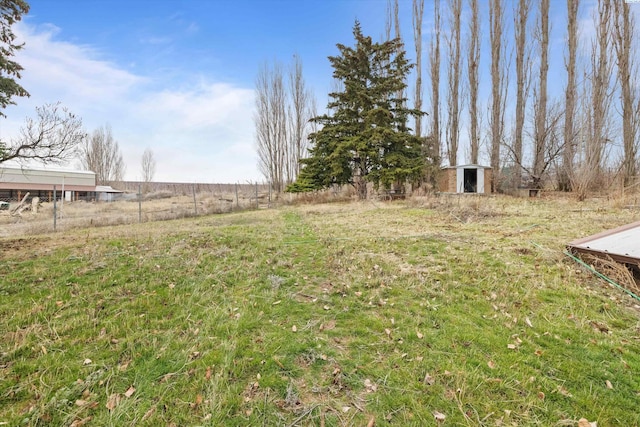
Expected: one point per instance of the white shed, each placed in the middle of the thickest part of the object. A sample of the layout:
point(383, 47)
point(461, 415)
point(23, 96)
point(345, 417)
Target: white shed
point(465, 179)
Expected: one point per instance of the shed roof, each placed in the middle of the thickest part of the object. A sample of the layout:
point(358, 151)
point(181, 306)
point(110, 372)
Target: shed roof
point(106, 189)
point(621, 244)
point(469, 166)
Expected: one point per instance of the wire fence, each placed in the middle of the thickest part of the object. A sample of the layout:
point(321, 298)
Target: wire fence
point(25, 213)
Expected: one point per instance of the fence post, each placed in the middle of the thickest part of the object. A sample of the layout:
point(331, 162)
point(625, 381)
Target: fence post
point(257, 202)
point(55, 207)
point(139, 202)
point(237, 200)
point(195, 206)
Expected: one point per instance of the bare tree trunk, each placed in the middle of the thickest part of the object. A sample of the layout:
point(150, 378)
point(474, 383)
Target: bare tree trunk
point(434, 67)
point(595, 101)
point(418, 13)
point(453, 98)
point(570, 96)
point(473, 61)
point(301, 112)
point(271, 125)
point(523, 64)
point(540, 133)
point(623, 29)
point(600, 92)
point(498, 83)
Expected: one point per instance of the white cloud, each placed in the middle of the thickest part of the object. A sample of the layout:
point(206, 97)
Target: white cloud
point(201, 132)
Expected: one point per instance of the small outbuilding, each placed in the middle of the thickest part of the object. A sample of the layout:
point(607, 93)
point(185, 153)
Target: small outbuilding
point(105, 193)
point(465, 179)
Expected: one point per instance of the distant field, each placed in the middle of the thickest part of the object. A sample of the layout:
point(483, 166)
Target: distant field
point(158, 206)
point(434, 311)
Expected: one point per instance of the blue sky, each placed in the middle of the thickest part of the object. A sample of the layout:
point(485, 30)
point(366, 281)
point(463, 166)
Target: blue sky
point(178, 76)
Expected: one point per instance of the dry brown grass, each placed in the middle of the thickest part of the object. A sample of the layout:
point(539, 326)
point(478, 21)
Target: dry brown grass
point(80, 214)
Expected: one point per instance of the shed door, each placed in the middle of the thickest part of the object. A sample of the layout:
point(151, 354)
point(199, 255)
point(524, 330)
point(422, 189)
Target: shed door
point(459, 180)
point(481, 181)
point(470, 180)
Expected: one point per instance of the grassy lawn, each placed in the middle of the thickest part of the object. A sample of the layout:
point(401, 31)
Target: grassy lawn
point(440, 312)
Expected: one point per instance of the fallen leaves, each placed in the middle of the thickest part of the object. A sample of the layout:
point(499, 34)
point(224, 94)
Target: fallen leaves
point(331, 324)
point(370, 386)
point(113, 401)
point(563, 391)
point(149, 413)
point(439, 416)
point(80, 422)
point(115, 398)
point(428, 379)
point(130, 391)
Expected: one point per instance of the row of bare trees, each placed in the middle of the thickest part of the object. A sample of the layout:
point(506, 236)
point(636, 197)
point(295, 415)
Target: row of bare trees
point(534, 130)
point(284, 106)
point(100, 153)
point(566, 135)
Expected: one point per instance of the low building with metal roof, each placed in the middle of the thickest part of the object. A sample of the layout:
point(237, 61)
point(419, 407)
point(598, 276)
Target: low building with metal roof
point(16, 181)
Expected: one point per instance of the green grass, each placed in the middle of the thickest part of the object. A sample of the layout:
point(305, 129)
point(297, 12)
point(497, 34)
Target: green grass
point(320, 315)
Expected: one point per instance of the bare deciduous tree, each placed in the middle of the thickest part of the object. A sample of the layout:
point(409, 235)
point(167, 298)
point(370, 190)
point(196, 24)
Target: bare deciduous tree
point(271, 124)
point(418, 13)
point(523, 64)
point(553, 147)
point(498, 86)
point(434, 73)
point(101, 154)
point(148, 167)
point(52, 137)
point(453, 79)
point(595, 101)
point(570, 96)
point(600, 79)
point(540, 107)
point(623, 32)
point(473, 63)
point(393, 23)
point(283, 111)
point(301, 111)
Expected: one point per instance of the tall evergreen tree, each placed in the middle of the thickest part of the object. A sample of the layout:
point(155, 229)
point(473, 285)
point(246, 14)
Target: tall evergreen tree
point(365, 138)
point(11, 11)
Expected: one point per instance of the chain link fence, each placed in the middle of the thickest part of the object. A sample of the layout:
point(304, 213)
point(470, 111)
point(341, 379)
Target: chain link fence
point(25, 213)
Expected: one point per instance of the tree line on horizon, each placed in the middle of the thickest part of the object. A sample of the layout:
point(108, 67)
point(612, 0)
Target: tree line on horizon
point(573, 140)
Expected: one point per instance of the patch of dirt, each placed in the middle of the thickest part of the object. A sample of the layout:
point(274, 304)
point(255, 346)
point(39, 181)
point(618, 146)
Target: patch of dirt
point(10, 247)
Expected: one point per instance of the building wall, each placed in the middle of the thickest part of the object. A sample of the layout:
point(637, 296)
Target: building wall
point(488, 176)
point(447, 180)
point(45, 179)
